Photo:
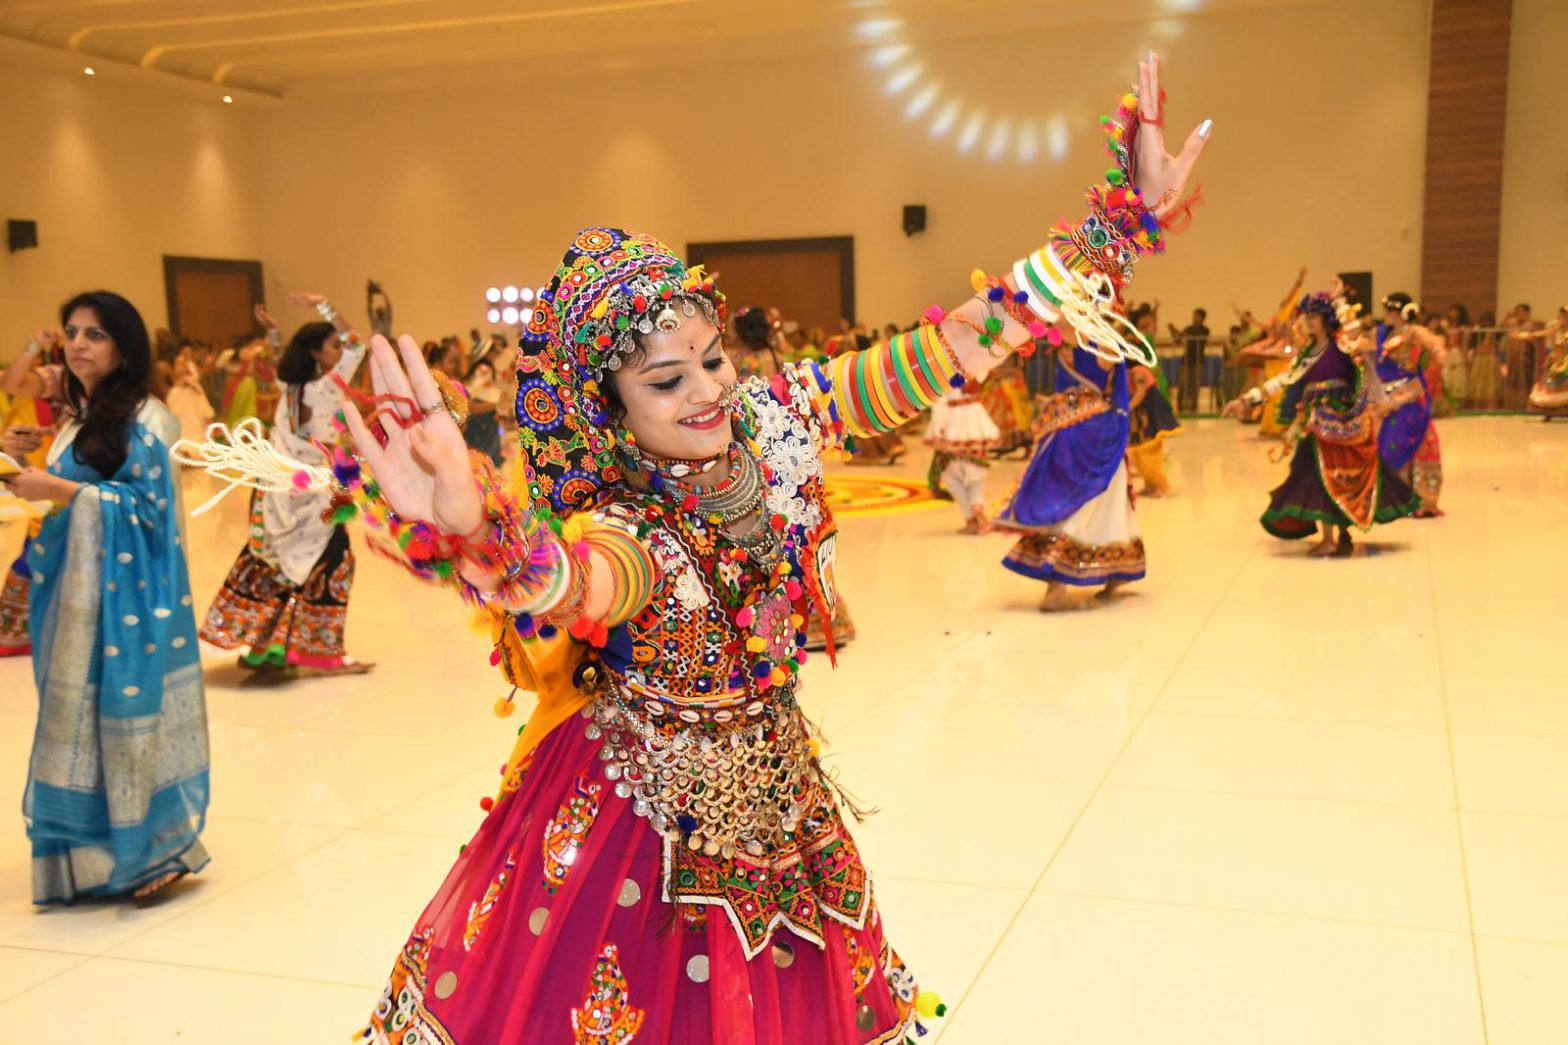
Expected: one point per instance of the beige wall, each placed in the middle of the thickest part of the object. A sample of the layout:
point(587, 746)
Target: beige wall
point(1315, 160)
point(117, 172)
point(1534, 262)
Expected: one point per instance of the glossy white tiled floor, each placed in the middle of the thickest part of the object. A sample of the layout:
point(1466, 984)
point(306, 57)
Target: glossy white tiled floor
point(1260, 799)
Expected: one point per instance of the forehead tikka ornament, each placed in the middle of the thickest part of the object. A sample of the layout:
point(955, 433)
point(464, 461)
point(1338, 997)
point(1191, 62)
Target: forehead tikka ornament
point(654, 299)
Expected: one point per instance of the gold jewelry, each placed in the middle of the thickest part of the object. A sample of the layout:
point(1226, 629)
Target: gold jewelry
point(453, 398)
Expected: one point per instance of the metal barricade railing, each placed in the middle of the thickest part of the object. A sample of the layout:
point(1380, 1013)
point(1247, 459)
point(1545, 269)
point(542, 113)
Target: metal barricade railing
point(1484, 369)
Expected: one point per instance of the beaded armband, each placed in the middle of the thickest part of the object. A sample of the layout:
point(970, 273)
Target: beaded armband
point(1078, 276)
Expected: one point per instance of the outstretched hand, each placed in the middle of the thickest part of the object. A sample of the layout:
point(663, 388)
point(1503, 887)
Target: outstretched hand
point(1162, 178)
point(422, 469)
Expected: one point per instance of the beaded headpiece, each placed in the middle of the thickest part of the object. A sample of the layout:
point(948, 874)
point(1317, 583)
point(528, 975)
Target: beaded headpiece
point(1321, 305)
point(611, 286)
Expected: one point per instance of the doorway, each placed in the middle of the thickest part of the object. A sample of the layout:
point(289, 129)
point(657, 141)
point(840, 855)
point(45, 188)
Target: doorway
point(811, 281)
point(210, 299)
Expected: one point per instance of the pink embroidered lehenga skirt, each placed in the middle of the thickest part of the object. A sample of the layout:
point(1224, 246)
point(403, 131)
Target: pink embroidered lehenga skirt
point(553, 927)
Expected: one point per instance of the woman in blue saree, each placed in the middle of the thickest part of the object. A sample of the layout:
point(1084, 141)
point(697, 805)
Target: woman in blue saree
point(117, 788)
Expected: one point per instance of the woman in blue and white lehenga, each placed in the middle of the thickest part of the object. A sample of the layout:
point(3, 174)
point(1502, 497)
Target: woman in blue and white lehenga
point(1072, 510)
point(117, 789)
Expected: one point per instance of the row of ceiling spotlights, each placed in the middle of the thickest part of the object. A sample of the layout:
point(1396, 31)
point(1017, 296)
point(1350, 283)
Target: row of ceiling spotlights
point(509, 315)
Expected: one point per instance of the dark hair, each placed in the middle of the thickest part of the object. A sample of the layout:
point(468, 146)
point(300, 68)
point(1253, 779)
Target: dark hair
point(1408, 307)
point(298, 365)
point(1201, 313)
point(753, 328)
point(1464, 313)
point(106, 415)
point(437, 353)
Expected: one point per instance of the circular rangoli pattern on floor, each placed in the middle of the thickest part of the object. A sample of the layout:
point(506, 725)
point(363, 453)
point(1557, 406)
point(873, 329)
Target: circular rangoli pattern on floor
point(876, 495)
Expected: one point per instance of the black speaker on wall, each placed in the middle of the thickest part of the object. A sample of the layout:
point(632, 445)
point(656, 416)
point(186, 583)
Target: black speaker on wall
point(20, 235)
point(1359, 285)
point(914, 218)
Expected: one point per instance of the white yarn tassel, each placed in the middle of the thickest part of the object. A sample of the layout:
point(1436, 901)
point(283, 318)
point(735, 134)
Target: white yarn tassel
point(1087, 306)
point(243, 456)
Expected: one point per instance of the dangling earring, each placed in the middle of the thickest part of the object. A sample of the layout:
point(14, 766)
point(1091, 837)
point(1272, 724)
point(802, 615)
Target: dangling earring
point(630, 452)
point(635, 461)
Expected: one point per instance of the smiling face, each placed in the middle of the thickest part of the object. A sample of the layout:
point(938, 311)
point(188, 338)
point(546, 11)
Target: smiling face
point(89, 350)
point(672, 393)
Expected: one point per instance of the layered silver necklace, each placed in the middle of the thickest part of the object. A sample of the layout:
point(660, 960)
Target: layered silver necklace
point(742, 496)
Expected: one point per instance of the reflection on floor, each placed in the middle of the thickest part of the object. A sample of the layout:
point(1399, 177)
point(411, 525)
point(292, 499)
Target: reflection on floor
point(1259, 799)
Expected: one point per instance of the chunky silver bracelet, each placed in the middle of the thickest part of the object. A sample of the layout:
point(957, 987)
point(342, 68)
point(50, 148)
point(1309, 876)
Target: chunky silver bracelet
point(33, 347)
point(327, 312)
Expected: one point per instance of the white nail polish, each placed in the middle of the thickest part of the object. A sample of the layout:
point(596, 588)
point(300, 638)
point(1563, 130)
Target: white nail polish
point(1204, 128)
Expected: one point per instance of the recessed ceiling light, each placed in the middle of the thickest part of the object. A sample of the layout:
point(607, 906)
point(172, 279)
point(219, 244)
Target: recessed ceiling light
point(89, 71)
point(228, 99)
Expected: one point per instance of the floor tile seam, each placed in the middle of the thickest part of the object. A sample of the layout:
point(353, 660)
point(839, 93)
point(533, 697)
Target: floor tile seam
point(1540, 941)
point(994, 887)
point(1453, 773)
point(1557, 817)
point(406, 797)
point(371, 734)
point(1289, 797)
point(1466, 731)
point(902, 682)
point(411, 798)
point(81, 959)
point(197, 903)
point(1299, 720)
point(1094, 793)
point(273, 821)
point(232, 971)
point(313, 728)
point(1262, 912)
point(428, 835)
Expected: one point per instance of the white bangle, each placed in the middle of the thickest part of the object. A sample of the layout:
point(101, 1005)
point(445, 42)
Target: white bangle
point(1036, 304)
point(1063, 275)
point(32, 348)
point(1049, 271)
